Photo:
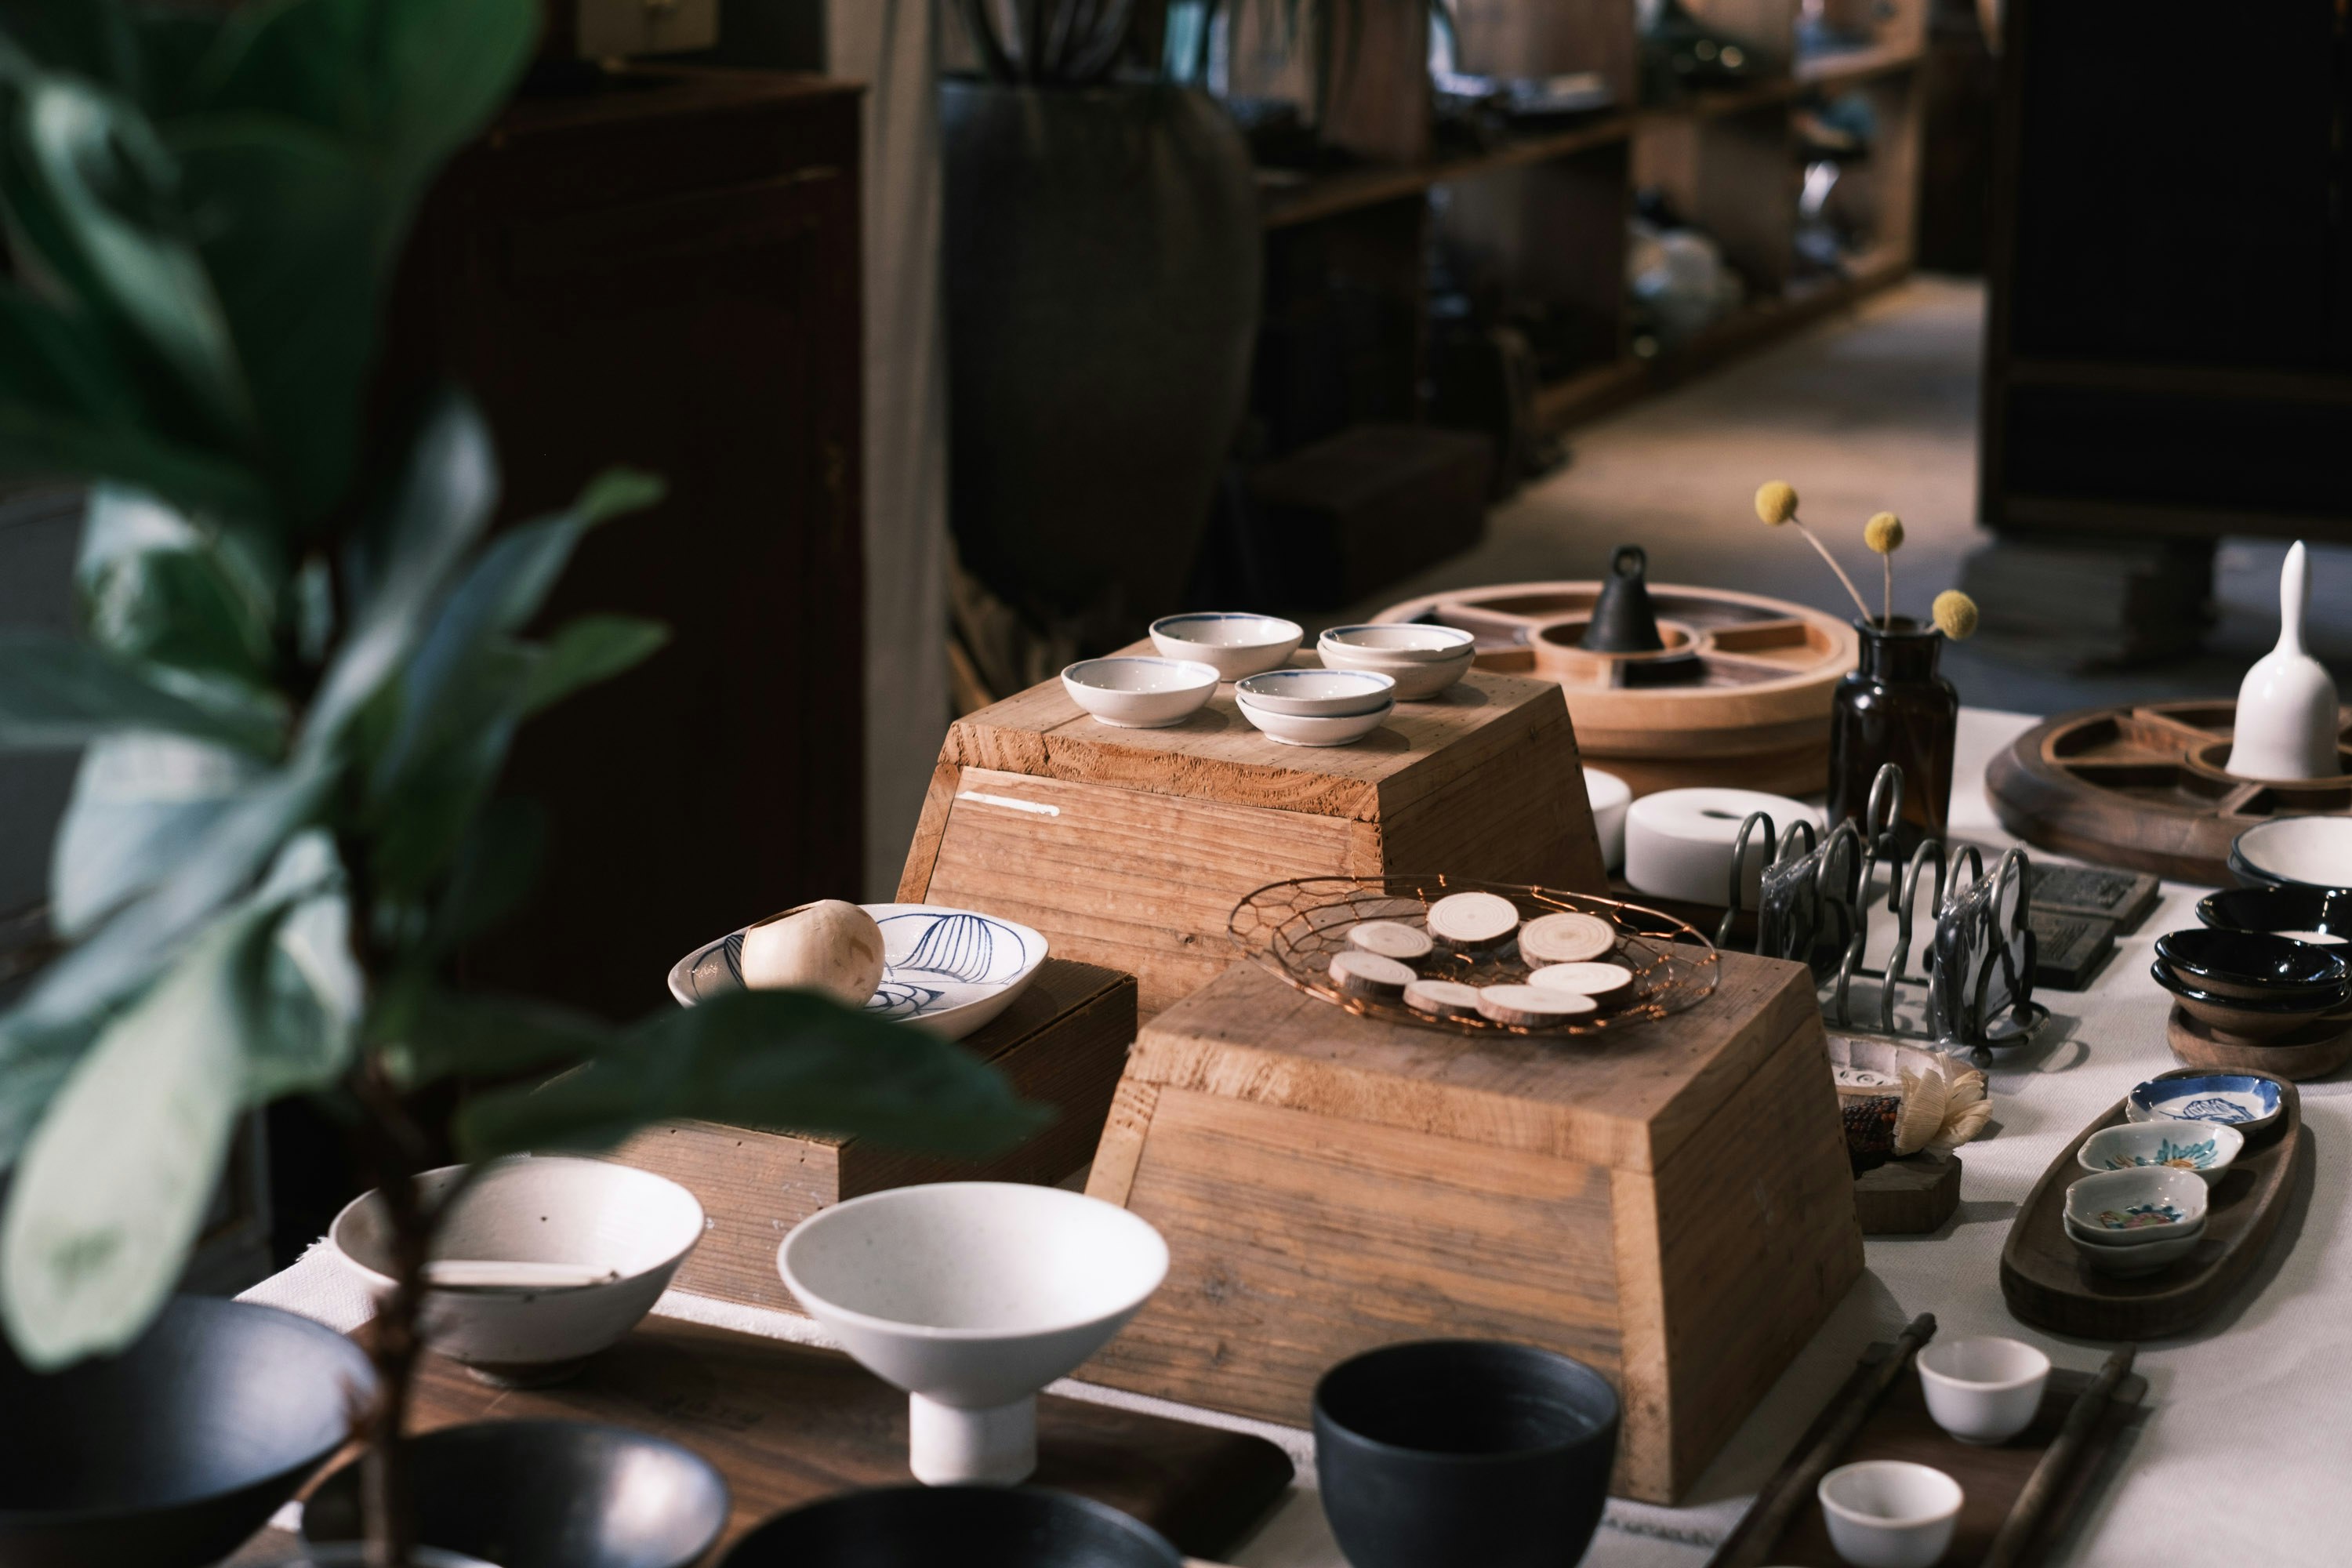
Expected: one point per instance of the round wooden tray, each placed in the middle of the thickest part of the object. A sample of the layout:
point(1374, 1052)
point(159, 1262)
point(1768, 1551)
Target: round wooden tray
point(1740, 695)
point(2144, 787)
point(2313, 1051)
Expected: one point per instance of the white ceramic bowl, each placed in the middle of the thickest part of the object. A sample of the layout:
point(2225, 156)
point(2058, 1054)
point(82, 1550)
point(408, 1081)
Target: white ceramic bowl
point(1317, 693)
point(1983, 1390)
point(2203, 1148)
point(1301, 729)
point(2135, 1206)
point(1136, 693)
point(1890, 1513)
point(2315, 851)
point(627, 1227)
point(1610, 796)
point(972, 1296)
point(1232, 643)
point(2104, 1255)
point(1423, 660)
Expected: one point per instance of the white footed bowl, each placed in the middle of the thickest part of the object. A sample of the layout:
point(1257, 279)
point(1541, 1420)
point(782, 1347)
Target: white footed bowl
point(1983, 1390)
point(1423, 660)
point(1317, 693)
point(1137, 692)
point(627, 1227)
point(972, 1296)
point(1311, 730)
point(1610, 796)
point(1233, 643)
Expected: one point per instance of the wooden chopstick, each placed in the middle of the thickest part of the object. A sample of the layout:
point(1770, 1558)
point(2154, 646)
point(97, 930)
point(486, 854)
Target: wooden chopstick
point(2058, 1460)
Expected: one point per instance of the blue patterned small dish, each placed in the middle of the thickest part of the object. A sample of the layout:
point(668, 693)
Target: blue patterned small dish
point(950, 971)
point(2205, 1148)
point(2247, 1102)
point(2137, 1206)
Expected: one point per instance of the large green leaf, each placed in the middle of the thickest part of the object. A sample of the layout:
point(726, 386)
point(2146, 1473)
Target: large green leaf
point(587, 651)
point(59, 691)
point(154, 587)
point(435, 1033)
point(115, 1181)
point(493, 874)
point(140, 801)
point(35, 1060)
point(311, 998)
point(791, 1059)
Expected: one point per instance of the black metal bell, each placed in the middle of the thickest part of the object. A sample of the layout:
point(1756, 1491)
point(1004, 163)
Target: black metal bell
point(1622, 620)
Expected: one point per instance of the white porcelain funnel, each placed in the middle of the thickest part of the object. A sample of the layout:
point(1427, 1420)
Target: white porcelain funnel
point(2286, 706)
point(972, 1296)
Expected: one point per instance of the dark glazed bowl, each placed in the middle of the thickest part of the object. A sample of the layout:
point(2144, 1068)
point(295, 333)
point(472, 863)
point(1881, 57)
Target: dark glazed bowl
point(546, 1494)
point(2317, 915)
point(1445, 1453)
point(2247, 1019)
point(173, 1453)
point(2258, 966)
point(970, 1527)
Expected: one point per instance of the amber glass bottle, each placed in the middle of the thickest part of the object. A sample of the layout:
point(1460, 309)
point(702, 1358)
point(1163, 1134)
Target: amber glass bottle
point(1893, 707)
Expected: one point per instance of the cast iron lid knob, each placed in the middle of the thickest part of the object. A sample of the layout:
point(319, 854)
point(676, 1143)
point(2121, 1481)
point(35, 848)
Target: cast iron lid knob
point(1622, 620)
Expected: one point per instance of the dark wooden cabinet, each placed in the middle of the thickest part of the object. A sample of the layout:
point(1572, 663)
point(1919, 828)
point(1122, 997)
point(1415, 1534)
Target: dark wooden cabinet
point(659, 266)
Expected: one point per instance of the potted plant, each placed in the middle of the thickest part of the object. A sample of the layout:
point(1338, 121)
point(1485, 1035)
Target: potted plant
point(303, 660)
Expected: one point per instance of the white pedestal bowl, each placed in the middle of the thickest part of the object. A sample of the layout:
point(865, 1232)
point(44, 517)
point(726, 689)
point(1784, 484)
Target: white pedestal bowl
point(972, 1296)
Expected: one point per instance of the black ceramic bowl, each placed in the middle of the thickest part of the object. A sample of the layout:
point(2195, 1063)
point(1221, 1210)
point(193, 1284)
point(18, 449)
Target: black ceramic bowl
point(546, 1494)
point(173, 1453)
point(970, 1527)
point(2258, 966)
point(2246, 1018)
point(1450, 1452)
point(2319, 915)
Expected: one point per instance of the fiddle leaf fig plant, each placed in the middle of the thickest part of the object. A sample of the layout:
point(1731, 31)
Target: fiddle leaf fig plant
point(303, 658)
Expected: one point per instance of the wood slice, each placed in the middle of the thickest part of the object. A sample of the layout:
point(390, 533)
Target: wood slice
point(2142, 786)
point(1391, 939)
point(1370, 974)
point(789, 1424)
point(1442, 999)
point(1566, 937)
point(1533, 1005)
point(2311, 1052)
point(1739, 695)
point(1909, 1196)
point(2046, 1283)
point(1473, 920)
point(1606, 983)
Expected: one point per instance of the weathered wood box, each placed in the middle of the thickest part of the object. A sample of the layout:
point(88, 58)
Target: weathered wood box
point(1671, 1204)
point(1131, 848)
point(1061, 1043)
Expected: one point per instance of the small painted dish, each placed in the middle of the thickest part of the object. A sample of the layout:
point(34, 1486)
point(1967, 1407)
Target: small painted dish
point(2099, 1254)
point(2247, 1102)
point(2260, 965)
point(2203, 1148)
point(2137, 1206)
point(1232, 643)
point(2319, 915)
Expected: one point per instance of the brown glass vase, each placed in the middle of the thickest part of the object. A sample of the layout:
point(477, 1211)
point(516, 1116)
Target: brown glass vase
point(1893, 707)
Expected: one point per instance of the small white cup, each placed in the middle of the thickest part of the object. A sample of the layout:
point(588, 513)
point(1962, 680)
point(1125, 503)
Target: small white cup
point(1983, 1390)
point(1888, 1513)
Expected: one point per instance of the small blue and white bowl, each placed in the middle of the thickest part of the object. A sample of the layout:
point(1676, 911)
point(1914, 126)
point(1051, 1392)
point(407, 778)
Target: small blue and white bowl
point(2205, 1148)
point(1134, 692)
point(1232, 642)
point(2133, 1207)
point(2248, 1102)
point(1316, 693)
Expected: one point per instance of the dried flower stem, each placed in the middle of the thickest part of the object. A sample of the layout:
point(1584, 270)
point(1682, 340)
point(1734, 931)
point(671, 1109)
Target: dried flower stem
point(1853, 592)
point(1886, 617)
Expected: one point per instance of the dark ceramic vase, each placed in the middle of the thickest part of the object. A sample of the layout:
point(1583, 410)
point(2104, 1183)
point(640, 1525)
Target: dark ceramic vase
point(1101, 268)
point(1450, 1452)
point(1893, 707)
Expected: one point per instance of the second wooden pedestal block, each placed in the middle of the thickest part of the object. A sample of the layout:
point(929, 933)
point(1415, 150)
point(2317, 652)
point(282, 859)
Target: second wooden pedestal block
point(1671, 1203)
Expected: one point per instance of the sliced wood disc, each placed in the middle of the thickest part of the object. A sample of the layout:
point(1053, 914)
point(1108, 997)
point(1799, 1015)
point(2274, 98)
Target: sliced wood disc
point(1533, 1005)
point(1568, 937)
point(1370, 974)
point(1604, 983)
point(1473, 920)
point(1442, 999)
point(1391, 939)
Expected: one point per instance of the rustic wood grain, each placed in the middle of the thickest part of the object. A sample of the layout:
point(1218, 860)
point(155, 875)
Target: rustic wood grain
point(787, 1425)
point(2045, 1282)
point(1061, 1043)
point(1909, 1196)
point(2306, 1053)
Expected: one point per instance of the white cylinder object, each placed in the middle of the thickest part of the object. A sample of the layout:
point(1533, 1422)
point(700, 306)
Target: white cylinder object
point(1609, 796)
point(996, 1446)
point(1678, 842)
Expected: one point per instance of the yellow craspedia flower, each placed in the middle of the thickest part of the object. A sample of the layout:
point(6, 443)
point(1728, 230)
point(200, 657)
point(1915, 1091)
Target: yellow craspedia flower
point(1956, 614)
point(1884, 534)
point(1776, 502)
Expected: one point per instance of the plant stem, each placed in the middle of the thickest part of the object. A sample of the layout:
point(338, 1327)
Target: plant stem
point(1852, 592)
point(1886, 618)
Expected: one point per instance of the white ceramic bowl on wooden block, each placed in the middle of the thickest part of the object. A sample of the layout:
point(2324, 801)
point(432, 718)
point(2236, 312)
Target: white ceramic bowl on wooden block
point(972, 1296)
point(1234, 643)
point(1984, 1390)
point(1890, 1513)
point(625, 1231)
point(1301, 729)
point(1317, 693)
point(1137, 693)
point(1423, 660)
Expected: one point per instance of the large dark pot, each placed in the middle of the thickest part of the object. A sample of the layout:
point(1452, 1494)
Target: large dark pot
point(1101, 273)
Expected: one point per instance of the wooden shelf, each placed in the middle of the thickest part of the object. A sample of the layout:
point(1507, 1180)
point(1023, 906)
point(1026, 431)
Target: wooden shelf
point(1285, 202)
point(1815, 73)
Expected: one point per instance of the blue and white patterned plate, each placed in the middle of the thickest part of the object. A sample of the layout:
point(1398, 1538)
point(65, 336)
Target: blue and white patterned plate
point(949, 969)
point(2235, 1099)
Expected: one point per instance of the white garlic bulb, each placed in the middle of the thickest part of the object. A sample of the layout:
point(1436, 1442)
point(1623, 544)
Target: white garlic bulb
point(829, 945)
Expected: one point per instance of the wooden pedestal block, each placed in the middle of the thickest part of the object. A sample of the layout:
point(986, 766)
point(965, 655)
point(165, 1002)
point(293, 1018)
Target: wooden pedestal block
point(1061, 1043)
point(1671, 1204)
point(1131, 848)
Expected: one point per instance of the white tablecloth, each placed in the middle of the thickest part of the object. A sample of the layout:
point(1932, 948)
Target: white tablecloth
point(2246, 1455)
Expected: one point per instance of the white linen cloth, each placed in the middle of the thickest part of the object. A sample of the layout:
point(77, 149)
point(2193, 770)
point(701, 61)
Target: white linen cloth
point(2249, 1424)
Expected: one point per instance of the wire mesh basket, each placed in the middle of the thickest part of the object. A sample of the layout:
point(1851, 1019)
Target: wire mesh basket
point(1293, 929)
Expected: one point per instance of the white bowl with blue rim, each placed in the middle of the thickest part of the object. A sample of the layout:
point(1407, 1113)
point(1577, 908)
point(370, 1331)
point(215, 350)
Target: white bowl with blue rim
point(2246, 1102)
point(1424, 659)
point(1137, 693)
point(949, 970)
point(2205, 1148)
point(1315, 729)
point(2136, 1206)
point(1316, 693)
point(1232, 642)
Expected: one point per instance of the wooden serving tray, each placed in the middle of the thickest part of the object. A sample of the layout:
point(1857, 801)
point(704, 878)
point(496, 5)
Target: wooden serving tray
point(2046, 1283)
point(788, 1424)
point(1992, 1477)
